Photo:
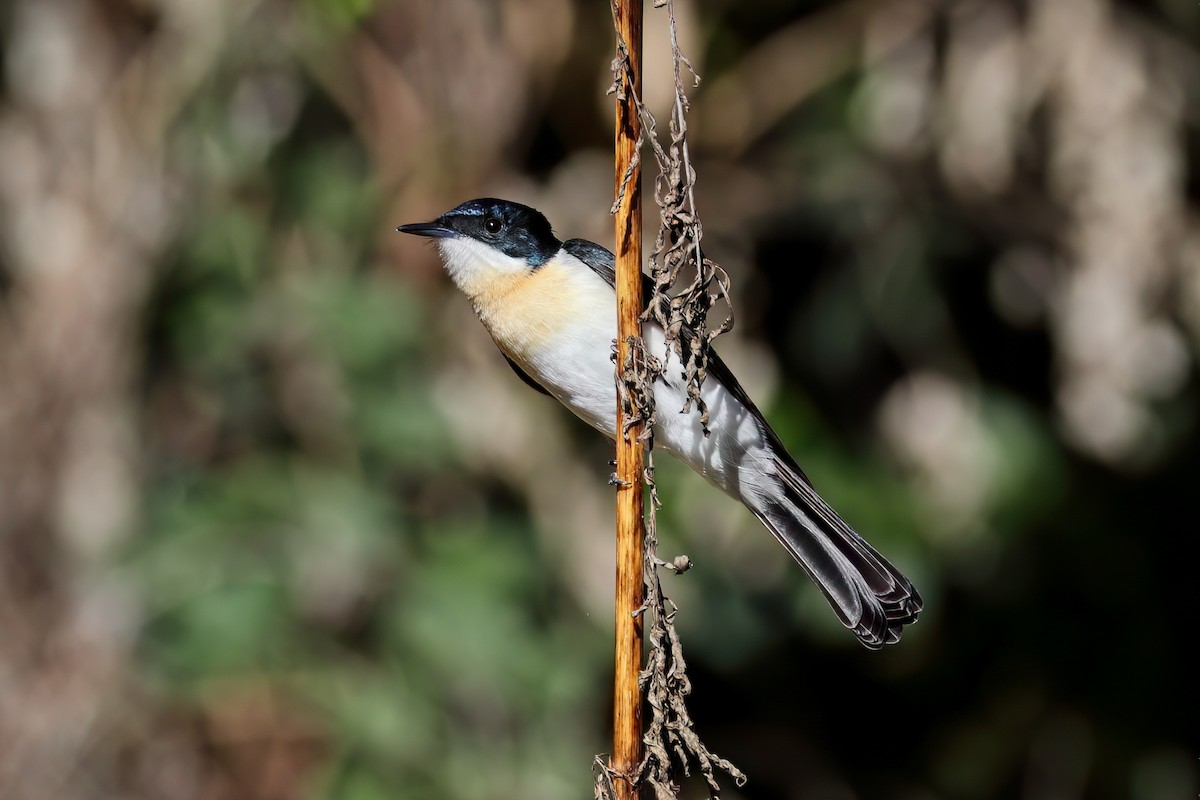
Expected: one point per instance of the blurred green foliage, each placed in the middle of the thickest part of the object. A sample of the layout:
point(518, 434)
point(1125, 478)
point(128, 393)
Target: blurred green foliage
point(324, 519)
point(443, 653)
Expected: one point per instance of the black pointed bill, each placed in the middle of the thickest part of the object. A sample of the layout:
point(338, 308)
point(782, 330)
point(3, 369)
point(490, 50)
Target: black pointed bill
point(433, 230)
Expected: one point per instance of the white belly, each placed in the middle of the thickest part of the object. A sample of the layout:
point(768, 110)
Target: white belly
point(576, 367)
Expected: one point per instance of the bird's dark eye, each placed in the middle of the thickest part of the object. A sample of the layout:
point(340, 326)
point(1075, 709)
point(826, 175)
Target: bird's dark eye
point(492, 225)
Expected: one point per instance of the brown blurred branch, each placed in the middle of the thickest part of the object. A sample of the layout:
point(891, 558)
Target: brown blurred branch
point(86, 203)
point(792, 65)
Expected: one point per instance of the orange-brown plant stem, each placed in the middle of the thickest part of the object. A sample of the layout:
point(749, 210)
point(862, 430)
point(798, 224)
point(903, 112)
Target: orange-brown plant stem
point(627, 701)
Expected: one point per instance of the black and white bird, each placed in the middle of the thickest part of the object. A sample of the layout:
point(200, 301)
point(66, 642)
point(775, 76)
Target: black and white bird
point(550, 307)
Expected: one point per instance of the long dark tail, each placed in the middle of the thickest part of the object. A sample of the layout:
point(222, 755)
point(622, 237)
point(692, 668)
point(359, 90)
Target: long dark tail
point(870, 596)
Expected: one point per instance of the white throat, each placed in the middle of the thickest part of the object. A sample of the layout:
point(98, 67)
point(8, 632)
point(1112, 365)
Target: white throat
point(477, 268)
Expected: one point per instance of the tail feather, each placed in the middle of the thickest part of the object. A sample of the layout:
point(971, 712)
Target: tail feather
point(869, 595)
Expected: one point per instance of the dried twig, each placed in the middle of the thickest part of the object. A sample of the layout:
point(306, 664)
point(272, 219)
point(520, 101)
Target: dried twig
point(671, 740)
point(635, 406)
point(680, 307)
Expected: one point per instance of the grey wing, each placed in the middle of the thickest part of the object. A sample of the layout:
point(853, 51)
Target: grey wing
point(523, 375)
point(868, 594)
point(598, 258)
point(603, 263)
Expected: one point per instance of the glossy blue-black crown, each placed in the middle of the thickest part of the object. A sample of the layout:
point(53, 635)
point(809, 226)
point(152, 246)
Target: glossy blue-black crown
point(514, 229)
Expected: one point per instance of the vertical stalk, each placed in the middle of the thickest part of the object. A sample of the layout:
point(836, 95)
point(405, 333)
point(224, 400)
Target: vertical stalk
point(627, 704)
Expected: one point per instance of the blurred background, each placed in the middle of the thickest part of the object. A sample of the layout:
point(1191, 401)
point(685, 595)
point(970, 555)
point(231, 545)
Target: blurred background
point(277, 521)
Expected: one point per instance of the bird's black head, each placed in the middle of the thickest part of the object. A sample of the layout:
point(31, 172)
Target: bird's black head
point(514, 229)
